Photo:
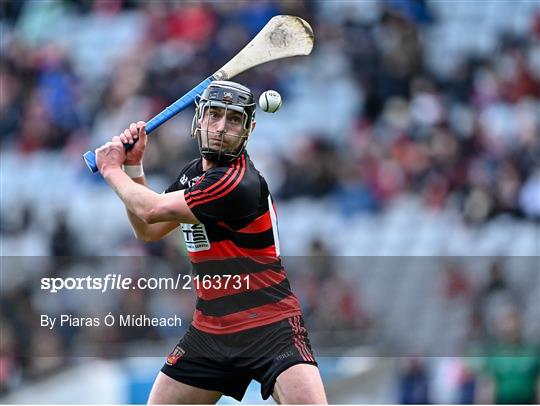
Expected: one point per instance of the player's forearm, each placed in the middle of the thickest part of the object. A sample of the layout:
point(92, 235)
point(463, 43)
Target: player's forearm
point(138, 199)
point(144, 231)
point(141, 229)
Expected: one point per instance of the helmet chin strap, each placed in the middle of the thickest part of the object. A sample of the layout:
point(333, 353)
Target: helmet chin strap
point(219, 155)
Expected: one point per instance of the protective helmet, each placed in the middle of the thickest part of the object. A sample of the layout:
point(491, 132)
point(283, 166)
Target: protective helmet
point(229, 96)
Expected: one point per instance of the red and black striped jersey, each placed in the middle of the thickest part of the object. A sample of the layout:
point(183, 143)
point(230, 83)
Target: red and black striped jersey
point(237, 271)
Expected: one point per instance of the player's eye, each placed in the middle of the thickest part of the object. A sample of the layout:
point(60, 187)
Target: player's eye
point(236, 120)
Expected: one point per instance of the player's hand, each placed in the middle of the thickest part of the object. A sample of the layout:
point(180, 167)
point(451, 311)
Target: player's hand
point(134, 135)
point(110, 155)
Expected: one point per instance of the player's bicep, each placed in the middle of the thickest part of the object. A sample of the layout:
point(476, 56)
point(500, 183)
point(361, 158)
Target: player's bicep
point(172, 207)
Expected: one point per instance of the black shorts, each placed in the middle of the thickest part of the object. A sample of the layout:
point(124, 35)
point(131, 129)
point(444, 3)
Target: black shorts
point(228, 362)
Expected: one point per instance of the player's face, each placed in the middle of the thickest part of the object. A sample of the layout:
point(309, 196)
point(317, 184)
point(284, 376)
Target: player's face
point(220, 130)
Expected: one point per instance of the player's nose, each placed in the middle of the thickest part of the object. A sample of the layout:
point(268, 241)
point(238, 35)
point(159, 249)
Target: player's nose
point(220, 125)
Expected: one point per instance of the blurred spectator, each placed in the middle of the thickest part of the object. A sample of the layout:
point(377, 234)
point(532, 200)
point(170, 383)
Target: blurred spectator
point(340, 316)
point(63, 241)
point(493, 298)
point(413, 383)
point(455, 283)
point(194, 23)
point(353, 193)
point(512, 365)
point(338, 319)
point(312, 173)
point(10, 369)
point(529, 197)
point(453, 382)
point(320, 261)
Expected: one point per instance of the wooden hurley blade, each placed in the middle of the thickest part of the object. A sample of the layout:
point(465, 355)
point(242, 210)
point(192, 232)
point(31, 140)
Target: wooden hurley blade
point(282, 37)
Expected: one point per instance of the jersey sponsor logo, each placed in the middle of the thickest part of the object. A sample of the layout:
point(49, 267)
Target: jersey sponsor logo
point(195, 237)
point(175, 355)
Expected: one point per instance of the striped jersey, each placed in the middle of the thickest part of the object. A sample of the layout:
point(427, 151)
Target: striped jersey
point(234, 251)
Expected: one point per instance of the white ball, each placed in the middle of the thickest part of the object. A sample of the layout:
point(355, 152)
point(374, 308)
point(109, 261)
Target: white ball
point(270, 101)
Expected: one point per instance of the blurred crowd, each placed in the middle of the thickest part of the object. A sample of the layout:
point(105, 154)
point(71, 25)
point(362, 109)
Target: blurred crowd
point(500, 364)
point(466, 138)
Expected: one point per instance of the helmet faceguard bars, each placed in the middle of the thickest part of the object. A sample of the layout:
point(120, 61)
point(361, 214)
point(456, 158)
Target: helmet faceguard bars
point(228, 96)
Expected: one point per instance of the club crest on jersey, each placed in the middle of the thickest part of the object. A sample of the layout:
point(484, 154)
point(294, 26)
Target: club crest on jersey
point(175, 355)
point(195, 237)
point(183, 179)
